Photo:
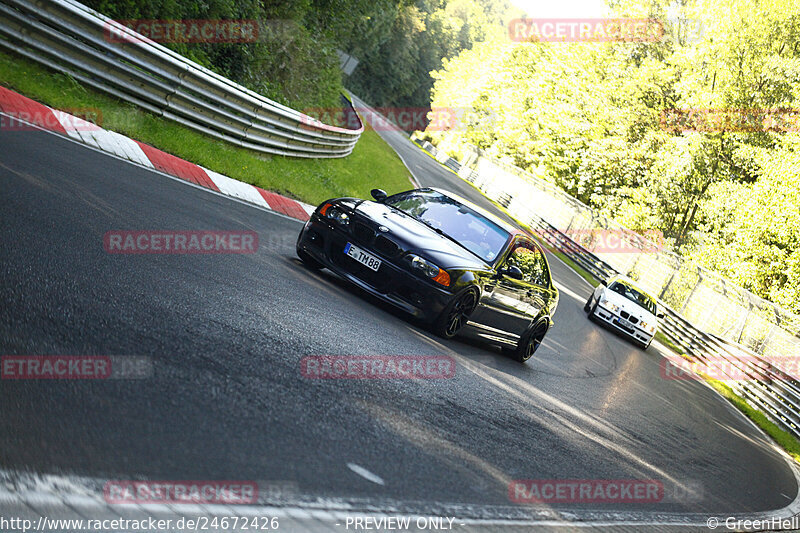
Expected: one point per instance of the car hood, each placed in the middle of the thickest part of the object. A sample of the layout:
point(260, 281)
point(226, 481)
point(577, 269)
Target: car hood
point(631, 307)
point(415, 237)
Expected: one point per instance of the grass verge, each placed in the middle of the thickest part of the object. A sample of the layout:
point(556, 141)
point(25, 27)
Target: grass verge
point(660, 337)
point(372, 164)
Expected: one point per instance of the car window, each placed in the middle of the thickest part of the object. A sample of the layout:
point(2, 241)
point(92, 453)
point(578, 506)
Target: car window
point(531, 262)
point(634, 295)
point(470, 229)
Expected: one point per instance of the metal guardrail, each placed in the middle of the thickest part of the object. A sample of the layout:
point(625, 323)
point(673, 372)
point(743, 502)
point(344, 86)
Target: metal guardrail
point(452, 164)
point(766, 386)
point(72, 38)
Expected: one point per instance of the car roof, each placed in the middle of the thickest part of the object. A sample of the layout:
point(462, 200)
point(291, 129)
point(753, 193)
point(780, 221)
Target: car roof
point(500, 222)
point(632, 284)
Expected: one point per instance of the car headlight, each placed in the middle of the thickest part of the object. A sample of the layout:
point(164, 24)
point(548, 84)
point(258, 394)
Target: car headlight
point(609, 305)
point(647, 327)
point(331, 212)
point(429, 270)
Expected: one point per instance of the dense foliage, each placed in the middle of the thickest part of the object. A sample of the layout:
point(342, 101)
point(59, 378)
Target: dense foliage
point(400, 48)
point(294, 60)
point(288, 62)
point(596, 118)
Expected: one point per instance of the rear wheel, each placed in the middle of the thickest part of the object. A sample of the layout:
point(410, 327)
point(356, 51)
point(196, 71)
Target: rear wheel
point(530, 342)
point(456, 314)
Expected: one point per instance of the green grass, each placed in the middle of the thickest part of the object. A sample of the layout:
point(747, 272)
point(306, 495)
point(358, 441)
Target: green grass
point(782, 438)
point(660, 337)
point(372, 164)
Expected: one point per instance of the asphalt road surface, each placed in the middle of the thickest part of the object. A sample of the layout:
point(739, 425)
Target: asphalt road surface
point(226, 399)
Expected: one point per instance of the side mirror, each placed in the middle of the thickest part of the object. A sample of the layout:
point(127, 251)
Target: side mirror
point(512, 272)
point(604, 283)
point(379, 195)
point(660, 315)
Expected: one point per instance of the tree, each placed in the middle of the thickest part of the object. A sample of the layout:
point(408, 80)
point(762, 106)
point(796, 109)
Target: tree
point(603, 121)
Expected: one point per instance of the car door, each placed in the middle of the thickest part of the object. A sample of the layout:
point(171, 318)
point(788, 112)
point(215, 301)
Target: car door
point(540, 291)
point(507, 302)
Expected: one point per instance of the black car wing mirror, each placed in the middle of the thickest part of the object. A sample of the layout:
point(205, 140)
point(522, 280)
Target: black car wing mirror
point(512, 272)
point(660, 315)
point(603, 282)
point(379, 195)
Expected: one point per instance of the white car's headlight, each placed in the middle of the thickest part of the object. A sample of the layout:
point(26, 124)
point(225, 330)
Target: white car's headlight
point(647, 327)
point(608, 305)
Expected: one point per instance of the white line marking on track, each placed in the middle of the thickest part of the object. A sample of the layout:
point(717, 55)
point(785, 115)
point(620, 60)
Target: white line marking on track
point(366, 474)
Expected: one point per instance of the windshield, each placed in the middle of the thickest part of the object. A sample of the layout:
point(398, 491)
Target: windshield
point(634, 295)
point(471, 230)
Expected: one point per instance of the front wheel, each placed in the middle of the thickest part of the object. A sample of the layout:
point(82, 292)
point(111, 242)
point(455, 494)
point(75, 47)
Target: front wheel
point(588, 306)
point(592, 310)
point(456, 314)
point(530, 341)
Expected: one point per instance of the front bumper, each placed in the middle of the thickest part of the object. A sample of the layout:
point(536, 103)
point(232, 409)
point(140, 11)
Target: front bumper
point(392, 283)
point(612, 318)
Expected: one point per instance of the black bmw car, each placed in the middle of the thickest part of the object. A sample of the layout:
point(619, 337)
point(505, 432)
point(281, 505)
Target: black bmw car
point(440, 258)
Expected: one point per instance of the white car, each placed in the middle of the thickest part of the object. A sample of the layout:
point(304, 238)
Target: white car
point(628, 309)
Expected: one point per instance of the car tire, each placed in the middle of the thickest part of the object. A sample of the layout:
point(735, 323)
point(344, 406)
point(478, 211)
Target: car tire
point(587, 307)
point(456, 314)
point(593, 310)
point(309, 261)
point(531, 340)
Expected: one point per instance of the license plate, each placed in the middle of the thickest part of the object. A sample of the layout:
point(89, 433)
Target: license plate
point(366, 259)
point(624, 323)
